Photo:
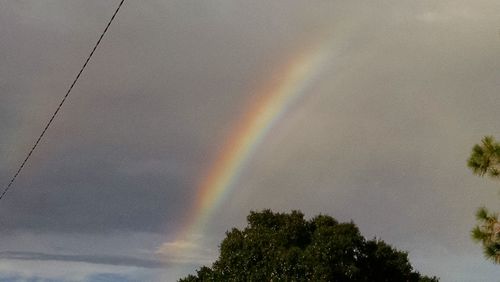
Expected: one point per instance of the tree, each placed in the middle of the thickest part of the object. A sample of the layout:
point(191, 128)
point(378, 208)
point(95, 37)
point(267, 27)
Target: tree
point(286, 247)
point(485, 160)
point(488, 233)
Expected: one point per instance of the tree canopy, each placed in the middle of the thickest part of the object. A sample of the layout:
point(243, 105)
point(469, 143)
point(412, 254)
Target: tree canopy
point(485, 160)
point(286, 247)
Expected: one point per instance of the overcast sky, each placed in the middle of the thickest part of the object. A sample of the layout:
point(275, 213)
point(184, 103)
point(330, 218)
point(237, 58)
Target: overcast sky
point(381, 138)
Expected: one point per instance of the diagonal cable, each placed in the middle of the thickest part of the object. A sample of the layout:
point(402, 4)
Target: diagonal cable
point(6, 189)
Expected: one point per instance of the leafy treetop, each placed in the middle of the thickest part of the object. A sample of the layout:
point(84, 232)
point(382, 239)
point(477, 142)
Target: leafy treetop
point(286, 247)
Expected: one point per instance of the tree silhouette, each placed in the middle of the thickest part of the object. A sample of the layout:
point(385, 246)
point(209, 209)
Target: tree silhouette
point(286, 247)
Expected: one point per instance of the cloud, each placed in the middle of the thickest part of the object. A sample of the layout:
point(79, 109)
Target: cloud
point(95, 259)
point(449, 12)
point(382, 140)
point(185, 251)
point(70, 271)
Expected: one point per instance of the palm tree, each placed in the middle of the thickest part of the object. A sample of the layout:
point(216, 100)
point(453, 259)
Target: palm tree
point(488, 233)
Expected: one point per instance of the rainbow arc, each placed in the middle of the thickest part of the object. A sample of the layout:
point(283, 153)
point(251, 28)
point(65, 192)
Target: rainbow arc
point(288, 85)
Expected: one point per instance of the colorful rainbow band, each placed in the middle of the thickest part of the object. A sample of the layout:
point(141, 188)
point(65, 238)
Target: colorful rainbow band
point(291, 82)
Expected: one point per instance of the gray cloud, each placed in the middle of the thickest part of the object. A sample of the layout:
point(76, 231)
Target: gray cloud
point(111, 260)
point(161, 89)
point(381, 139)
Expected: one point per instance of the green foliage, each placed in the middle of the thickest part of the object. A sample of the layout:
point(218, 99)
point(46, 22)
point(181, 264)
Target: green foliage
point(487, 232)
point(286, 247)
point(485, 160)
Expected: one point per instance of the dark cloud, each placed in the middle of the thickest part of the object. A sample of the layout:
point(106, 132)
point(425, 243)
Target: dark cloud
point(111, 260)
point(162, 89)
point(382, 139)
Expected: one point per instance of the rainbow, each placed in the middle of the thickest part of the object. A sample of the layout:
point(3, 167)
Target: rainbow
point(284, 90)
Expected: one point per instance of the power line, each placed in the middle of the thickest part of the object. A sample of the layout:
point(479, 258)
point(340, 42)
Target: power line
point(6, 189)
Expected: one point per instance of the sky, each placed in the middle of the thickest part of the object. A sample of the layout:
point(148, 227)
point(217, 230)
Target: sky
point(379, 134)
